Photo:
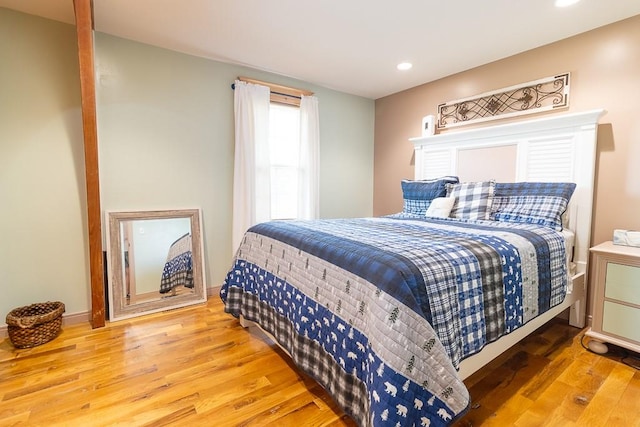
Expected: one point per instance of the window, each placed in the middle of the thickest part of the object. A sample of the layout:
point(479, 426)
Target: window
point(279, 182)
point(284, 147)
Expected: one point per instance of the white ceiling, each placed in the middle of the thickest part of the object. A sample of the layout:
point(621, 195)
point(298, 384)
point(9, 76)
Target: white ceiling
point(349, 45)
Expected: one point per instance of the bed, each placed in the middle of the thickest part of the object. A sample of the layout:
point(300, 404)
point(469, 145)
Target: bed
point(178, 269)
point(391, 314)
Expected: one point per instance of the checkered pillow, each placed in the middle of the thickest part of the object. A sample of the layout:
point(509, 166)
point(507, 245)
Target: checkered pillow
point(541, 203)
point(418, 195)
point(473, 199)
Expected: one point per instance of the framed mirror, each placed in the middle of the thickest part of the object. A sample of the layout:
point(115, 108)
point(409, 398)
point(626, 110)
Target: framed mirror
point(155, 261)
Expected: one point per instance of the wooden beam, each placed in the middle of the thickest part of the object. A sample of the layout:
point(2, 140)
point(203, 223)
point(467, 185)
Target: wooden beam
point(84, 28)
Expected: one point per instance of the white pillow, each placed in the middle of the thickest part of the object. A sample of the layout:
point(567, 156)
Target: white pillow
point(440, 207)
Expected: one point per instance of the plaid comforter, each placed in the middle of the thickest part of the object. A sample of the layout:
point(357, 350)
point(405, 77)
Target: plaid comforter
point(178, 270)
point(381, 311)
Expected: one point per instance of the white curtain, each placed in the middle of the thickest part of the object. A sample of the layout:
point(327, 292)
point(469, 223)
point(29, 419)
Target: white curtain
point(252, 170)
point(308, 181)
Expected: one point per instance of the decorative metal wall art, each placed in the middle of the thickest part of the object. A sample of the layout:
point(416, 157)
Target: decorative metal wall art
point(545, 94)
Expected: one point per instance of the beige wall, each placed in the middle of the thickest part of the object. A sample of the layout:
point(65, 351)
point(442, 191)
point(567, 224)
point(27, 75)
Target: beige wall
point(605, 73)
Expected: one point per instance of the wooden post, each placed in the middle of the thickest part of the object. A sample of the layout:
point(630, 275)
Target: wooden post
point(84, 27)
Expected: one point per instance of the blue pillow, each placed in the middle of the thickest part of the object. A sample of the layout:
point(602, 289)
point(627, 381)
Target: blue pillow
point(418, 195)
point(541, 203)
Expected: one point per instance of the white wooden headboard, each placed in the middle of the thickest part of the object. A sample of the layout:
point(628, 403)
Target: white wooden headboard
point(558, 148)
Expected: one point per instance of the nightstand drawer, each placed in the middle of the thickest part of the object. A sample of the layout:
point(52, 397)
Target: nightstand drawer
point(623, 283)
point(621, 320)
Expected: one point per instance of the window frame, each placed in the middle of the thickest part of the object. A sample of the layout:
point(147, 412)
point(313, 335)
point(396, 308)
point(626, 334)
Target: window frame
point(279, 93)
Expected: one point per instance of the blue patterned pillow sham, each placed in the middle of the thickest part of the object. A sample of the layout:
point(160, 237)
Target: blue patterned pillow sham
point(418, 195)
point(541, 203)
point(473, 199)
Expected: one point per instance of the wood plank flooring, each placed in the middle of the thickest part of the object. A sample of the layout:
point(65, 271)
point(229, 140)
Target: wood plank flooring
point(197, 366)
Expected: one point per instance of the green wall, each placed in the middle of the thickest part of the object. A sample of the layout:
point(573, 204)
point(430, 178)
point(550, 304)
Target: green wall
point(165, 130)
point(43, 237)
point(165, 134)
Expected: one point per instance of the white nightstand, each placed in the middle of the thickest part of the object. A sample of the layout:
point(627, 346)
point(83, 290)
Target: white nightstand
point(616, 297)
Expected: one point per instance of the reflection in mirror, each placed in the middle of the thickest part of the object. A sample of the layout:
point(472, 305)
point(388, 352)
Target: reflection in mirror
point(155, 261)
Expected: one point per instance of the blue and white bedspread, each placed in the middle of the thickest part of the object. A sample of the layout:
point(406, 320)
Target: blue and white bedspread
point(178, 269)
point(380, 311)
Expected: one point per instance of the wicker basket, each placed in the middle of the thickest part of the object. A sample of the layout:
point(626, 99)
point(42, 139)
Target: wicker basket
point(35, 324)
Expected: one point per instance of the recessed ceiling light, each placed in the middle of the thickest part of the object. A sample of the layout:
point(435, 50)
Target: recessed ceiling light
point(403, 66)
point(565, 3)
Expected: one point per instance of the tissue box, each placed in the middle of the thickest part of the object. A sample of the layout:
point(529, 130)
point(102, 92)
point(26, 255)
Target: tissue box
point(626, 238)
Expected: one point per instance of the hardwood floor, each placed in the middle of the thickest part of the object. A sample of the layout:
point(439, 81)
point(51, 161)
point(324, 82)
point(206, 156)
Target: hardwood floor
point(197, 366)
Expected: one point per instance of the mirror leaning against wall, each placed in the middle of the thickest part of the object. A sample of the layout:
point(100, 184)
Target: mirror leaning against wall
point(155, 261)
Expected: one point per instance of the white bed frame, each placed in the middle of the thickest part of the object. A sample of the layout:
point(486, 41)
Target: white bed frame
point(555, 148)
